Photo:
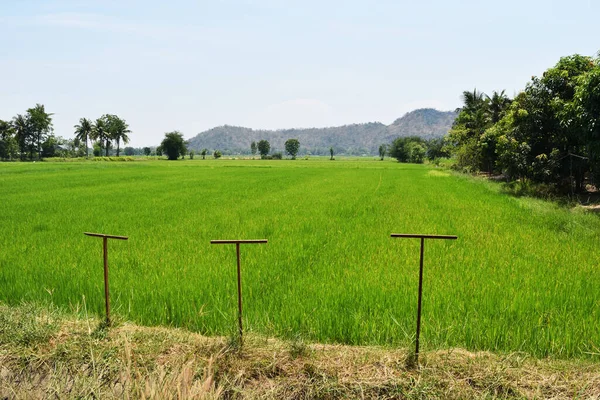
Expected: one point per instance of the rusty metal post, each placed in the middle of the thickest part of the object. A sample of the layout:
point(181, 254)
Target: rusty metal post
point(105, 255)
point(239, 282)
point(419, 301)
point(419, 306)
point(106, 294)
point(239, 274)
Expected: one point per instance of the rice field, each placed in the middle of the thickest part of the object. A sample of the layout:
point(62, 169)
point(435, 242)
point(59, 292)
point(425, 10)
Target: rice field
point(523, 276)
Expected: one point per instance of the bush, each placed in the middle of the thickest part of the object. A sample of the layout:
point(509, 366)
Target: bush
point(217, 154)
point(277, 156)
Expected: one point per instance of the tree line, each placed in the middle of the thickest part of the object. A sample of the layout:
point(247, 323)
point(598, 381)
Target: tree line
point(30, 136)
point(292, 146)
point(548, 134)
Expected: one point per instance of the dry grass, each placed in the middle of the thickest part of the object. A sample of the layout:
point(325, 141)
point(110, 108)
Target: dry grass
point(63, 356)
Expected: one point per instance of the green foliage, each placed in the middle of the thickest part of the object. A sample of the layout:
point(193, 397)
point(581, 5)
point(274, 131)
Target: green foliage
point(40, 125)
point(264, 147)
point(117, 130)
point(291, 147)
point(51, 146)
point(472, 145)
point(253, 148)
point(101, 134)
point(147, 151)
point(173, 145)
point(331, 153)
point(382, 151)
point(550, 133)
point(8, 141)
point(436, 149)
point(191, 154)
point(408, 150)
point(97, 149)
point(204, 153)
point(217, 154)
point(129, 151)
point(277, 156)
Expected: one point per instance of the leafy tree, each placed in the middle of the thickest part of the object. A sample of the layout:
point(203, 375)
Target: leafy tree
point(173, 145)
point(51, 146)
point(117, 129)
point(40, 123)
point(436, 148)
point(8, 142)
point(253, 148)
point(24, 135)
point(331, 153)
point(159, 151)
point(147, 151)
point(382, 151)
point(129, 151)
point(291, 147)
point(83, 132)
point(203, 153)
point(472, 144)
point(97, 149)
point(264, 147)
point(217, 154)
point(408, 149)
point(192, 154)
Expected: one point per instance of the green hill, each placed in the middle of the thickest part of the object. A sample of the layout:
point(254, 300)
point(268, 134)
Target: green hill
point(347, 139)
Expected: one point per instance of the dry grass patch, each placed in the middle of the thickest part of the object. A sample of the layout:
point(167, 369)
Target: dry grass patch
point(71, 357)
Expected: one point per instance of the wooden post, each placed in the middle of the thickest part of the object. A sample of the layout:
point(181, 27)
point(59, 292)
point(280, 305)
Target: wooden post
point(239, 274)
point(419, 306)
point(105, 254)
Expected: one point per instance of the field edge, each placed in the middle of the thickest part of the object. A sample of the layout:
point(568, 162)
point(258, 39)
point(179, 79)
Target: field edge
point(48, 352)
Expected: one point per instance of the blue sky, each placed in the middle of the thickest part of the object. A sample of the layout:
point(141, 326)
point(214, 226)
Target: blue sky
point(193, 65)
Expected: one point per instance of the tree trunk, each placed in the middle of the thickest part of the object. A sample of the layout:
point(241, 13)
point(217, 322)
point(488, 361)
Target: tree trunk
point(106, 147)
point(118, 144)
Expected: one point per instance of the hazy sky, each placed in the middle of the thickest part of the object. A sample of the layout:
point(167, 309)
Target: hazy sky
point(193, 65)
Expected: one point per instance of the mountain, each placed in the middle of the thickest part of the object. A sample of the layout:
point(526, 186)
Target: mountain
point(353, 139)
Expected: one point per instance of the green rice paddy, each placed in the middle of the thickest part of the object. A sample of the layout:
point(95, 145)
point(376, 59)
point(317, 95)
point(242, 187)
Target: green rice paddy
point(524, 274)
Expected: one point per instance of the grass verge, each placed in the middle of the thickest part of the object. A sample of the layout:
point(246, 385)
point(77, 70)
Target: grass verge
point(46, 353)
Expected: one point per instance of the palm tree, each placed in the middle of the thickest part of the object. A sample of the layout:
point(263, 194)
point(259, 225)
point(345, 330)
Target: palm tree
point(497, 105)
point(83, 132)
point(118, 131)
point(101, 134)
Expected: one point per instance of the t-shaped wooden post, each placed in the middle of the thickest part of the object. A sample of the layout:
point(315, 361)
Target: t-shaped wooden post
point(105, 252)
point(422, 237)
point(239, 273)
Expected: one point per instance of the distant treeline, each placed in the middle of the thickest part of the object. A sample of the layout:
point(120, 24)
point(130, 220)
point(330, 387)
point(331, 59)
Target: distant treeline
point(30, 136)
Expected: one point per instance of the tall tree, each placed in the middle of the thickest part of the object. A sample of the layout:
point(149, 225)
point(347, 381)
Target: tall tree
point(83, 132)
point(8, 144)
point(101, 134)
point(253, 148)
point(118, 130)
point(24, 135)
point(291, 147)
point(382, 150)
point(264, 147)
point(41, 125)
point(173, 145)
